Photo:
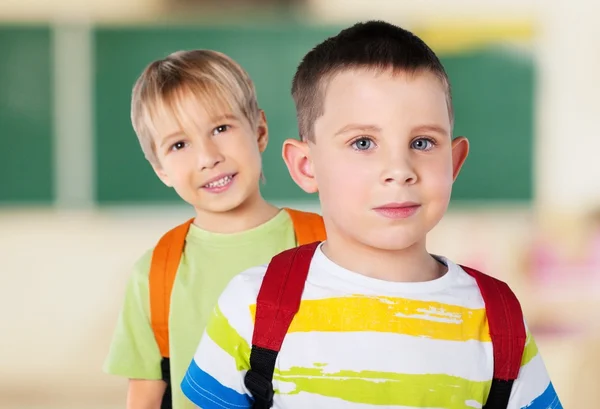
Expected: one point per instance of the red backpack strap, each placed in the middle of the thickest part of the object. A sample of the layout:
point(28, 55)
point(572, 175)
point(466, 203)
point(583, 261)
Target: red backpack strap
point(507, 331)
point(277, 303)
point(163, 268)
point(309, 227)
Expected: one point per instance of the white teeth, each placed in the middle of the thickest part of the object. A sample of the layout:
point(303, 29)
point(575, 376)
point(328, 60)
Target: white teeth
point(219, 183)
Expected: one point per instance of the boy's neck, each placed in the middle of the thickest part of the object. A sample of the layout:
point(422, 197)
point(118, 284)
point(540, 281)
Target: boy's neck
point(252, 213)
point(412, 264)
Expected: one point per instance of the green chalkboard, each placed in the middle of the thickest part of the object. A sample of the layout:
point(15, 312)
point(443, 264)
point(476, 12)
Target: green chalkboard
point(25, 115)
point(270, 54)
point(493, 96)
point(494, 103)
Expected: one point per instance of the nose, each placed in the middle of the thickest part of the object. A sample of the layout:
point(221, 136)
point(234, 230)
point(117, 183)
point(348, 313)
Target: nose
point(208, 155)
point(399, 169)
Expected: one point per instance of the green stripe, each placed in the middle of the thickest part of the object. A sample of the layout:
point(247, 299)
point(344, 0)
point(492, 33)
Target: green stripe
point(225, 336)
point(366, 387)
point(531, 350)
point(387, 388)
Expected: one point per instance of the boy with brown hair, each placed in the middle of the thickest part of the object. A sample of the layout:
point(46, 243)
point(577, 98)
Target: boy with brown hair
point(199, 125)
point(369, 318)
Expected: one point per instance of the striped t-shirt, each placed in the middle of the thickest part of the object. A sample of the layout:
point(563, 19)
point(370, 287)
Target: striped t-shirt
point(358, 342)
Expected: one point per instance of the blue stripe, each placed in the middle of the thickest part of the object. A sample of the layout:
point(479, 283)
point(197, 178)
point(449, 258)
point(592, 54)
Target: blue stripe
point(547, 400)
point(207, 393)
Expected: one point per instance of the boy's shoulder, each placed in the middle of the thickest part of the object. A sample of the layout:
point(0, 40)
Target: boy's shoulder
point(236, 303)
point(243, 288)
point(141, 267)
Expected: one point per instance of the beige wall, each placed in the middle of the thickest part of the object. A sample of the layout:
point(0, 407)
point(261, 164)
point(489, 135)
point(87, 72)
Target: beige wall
point(63, 276)
point(78, 10)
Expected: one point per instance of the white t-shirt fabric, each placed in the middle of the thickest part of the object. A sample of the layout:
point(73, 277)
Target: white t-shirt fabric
point(359, 342)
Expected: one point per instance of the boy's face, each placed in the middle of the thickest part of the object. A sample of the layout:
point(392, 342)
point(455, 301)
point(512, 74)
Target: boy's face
point(214, 163)
point(383, 160)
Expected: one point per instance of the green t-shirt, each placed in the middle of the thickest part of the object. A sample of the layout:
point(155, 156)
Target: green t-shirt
point(209, 262)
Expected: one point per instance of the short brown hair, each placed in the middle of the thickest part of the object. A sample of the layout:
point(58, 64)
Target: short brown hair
point(218, 81)
point(372, 45)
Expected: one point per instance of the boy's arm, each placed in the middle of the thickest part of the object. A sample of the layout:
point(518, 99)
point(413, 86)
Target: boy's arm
point(134, 353)
point(215, 377)
point(533, 388)
point(145, 394)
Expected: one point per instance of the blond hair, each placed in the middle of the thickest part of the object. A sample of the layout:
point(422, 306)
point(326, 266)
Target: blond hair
point(220, 84)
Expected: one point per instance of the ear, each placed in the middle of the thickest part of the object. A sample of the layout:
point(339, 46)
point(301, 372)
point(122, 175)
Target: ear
point(296, 155)
point(262, 131)
point(162, 175)
point(460, 151)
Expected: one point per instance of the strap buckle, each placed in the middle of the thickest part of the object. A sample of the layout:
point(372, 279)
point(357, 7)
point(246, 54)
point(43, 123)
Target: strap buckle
point(261, 389)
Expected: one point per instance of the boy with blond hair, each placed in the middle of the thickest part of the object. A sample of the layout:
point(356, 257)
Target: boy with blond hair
point(199, 125)
point(369, 318)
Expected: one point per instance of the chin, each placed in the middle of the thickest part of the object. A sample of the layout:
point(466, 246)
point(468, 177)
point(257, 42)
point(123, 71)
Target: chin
point(391, 245)
point(391, 240)
point(222, 205)
point(229, 206)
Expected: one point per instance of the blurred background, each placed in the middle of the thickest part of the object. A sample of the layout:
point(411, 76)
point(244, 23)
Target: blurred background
point(79, 204)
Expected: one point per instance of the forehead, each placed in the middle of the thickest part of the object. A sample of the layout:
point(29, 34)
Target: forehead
point(187, 111)
point(385, 98)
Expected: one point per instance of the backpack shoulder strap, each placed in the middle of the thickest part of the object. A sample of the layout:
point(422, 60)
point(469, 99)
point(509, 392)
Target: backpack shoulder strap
point(277, 303)
point(309, 227)
point(507, 331)
point(163, 268)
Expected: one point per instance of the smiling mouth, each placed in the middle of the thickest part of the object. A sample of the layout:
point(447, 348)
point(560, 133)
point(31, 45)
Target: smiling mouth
point(224, 181)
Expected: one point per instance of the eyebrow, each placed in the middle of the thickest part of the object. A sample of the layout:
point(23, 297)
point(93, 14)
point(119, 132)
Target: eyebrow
point(374, 128)
point(219, 118)
point(432, 128)
point(213, 121)
point(169, 137)
point(358, 127)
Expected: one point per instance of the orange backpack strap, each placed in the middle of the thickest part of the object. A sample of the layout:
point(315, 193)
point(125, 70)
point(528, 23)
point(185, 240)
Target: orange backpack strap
point(163, 268)
point(309, 227)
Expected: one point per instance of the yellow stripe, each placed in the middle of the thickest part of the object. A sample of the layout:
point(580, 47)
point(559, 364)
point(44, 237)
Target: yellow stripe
point(227, 338)
point(426, 319)
point(368, 387)
point(385, 388)
point(459, 36)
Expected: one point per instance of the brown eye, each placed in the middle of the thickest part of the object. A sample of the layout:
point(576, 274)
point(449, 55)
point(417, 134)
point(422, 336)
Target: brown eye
point(178, 146)
point(220, 129)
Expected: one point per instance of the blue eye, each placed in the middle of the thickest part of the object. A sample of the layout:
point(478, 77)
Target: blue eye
point(220, 129)
point(362, 144)
point(422, 144)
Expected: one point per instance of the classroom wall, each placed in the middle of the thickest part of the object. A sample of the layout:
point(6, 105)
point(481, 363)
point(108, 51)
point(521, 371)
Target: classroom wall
point(562, 42)
point(75, 95)
point(64, 260)
point(568, 108)
point(77, 11)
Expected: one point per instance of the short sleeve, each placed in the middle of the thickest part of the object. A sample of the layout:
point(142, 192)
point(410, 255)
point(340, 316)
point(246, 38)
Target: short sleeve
point(533, 388)
point(134, 352)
